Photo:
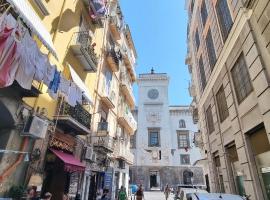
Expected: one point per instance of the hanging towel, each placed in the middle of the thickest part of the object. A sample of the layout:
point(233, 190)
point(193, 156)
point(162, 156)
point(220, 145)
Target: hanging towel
point(8, 56)
point(64, 86)
point(72, 96)
point(26, 70)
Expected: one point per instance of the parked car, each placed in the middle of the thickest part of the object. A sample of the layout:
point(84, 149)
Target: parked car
point(214, 196)
point(186, 193)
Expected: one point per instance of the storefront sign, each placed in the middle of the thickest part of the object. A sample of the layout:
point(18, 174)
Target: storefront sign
point(63, 141)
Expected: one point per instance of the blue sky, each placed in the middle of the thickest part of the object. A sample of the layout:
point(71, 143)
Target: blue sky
point(159, 32)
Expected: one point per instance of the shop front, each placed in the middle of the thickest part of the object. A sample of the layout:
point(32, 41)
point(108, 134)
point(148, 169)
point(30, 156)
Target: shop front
point(63, 171)
point(261, 151)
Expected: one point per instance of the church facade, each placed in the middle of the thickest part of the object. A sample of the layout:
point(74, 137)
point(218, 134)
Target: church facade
point(163, 144)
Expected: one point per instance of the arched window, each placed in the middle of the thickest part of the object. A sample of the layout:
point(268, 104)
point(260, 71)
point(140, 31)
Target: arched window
point(182, 124)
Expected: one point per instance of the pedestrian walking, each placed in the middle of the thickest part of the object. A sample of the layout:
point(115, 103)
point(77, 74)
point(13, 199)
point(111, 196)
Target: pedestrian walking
point(139, 194)
point(105, 194)
point(65, 197)
point(47, 196)
point(167, 191)
point(32, 193)
point(122, 194)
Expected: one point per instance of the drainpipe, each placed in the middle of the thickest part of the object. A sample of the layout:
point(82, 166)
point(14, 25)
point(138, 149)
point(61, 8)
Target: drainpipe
point(20, 158)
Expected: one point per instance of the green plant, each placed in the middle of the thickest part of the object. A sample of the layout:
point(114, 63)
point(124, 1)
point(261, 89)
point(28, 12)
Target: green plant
point(16, 192)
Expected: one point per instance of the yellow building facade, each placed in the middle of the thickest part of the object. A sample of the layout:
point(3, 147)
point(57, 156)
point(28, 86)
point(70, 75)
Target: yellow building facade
point(86, 145)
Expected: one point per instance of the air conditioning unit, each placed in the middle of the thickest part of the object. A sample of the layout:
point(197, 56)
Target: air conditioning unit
point(35, 127)
point(88, 153)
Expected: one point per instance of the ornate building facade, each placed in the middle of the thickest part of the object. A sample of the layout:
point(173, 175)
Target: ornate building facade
point(228, 58)
point(163, 144)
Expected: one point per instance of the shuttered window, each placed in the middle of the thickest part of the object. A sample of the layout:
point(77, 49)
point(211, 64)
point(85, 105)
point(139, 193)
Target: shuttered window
point(241, 79)
point(210, 50)
point(224, 18)
point(222, 104)
point(210, 121)
point(204, 13)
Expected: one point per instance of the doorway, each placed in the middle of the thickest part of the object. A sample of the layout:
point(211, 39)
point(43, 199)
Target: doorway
point(154, 179)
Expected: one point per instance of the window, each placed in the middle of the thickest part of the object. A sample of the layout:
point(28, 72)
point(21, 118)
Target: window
point(202, 73)
point(192, 5)
point(241, 79)
point(224, 18)
point(209, 118)
point(182, 124)
point(222, 104)
point(153, 138)
point(185, 159)
point(210, 50)
point(183, 139)
point(197, 40)
point(204, 13)
point(133, 141)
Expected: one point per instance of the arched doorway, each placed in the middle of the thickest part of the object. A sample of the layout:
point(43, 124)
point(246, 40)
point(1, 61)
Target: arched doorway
point(187, 176)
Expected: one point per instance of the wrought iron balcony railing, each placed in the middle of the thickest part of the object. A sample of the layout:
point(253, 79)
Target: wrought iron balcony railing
point(82, 47)
point(73, 118)
point(102, 143)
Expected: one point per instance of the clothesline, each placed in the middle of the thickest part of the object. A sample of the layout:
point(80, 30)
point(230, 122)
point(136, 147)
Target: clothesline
point(21, 60)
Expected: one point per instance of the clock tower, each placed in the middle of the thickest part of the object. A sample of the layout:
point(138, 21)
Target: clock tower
point(153, 133)
point(162, 145)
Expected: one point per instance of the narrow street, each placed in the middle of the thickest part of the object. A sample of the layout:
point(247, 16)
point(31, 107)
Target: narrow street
point(156, 195)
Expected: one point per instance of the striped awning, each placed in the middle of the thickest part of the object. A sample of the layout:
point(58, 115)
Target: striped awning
point(30, 18)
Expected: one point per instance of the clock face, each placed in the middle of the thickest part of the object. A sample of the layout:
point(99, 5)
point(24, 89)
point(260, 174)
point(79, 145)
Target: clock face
point(153, 94)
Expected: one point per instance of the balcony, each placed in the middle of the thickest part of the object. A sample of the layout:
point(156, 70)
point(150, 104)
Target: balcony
point(123, 153)
point(129, 39)
point(74, 120)
point(127, 120)
point(188, 59)
point(96, 13)
point(103, 143)
point(115, 27)
point(198, 140)
point(127, 90)
point(195, 115)
point(81, 46)
point(112, 59)
point(129, 61)
point(191, 90)
point(107, 98)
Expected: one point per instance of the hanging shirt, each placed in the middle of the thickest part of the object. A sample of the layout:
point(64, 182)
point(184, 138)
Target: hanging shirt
point(64, 86)
point(41, 65)
point(26, 69)
point(55, 82)
point(72, 96)
point(49, 74)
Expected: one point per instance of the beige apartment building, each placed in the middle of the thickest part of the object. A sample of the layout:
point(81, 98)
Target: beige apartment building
point(229, 61)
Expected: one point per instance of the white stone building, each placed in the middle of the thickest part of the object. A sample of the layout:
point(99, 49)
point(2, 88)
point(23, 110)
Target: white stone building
point(163, 145)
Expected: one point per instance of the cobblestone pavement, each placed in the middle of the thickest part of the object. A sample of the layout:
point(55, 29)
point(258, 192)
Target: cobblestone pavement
point(155, 195)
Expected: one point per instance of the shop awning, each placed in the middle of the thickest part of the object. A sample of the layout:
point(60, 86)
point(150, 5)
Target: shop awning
point(78, 81)
point(30, 18)
point(71, 163)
